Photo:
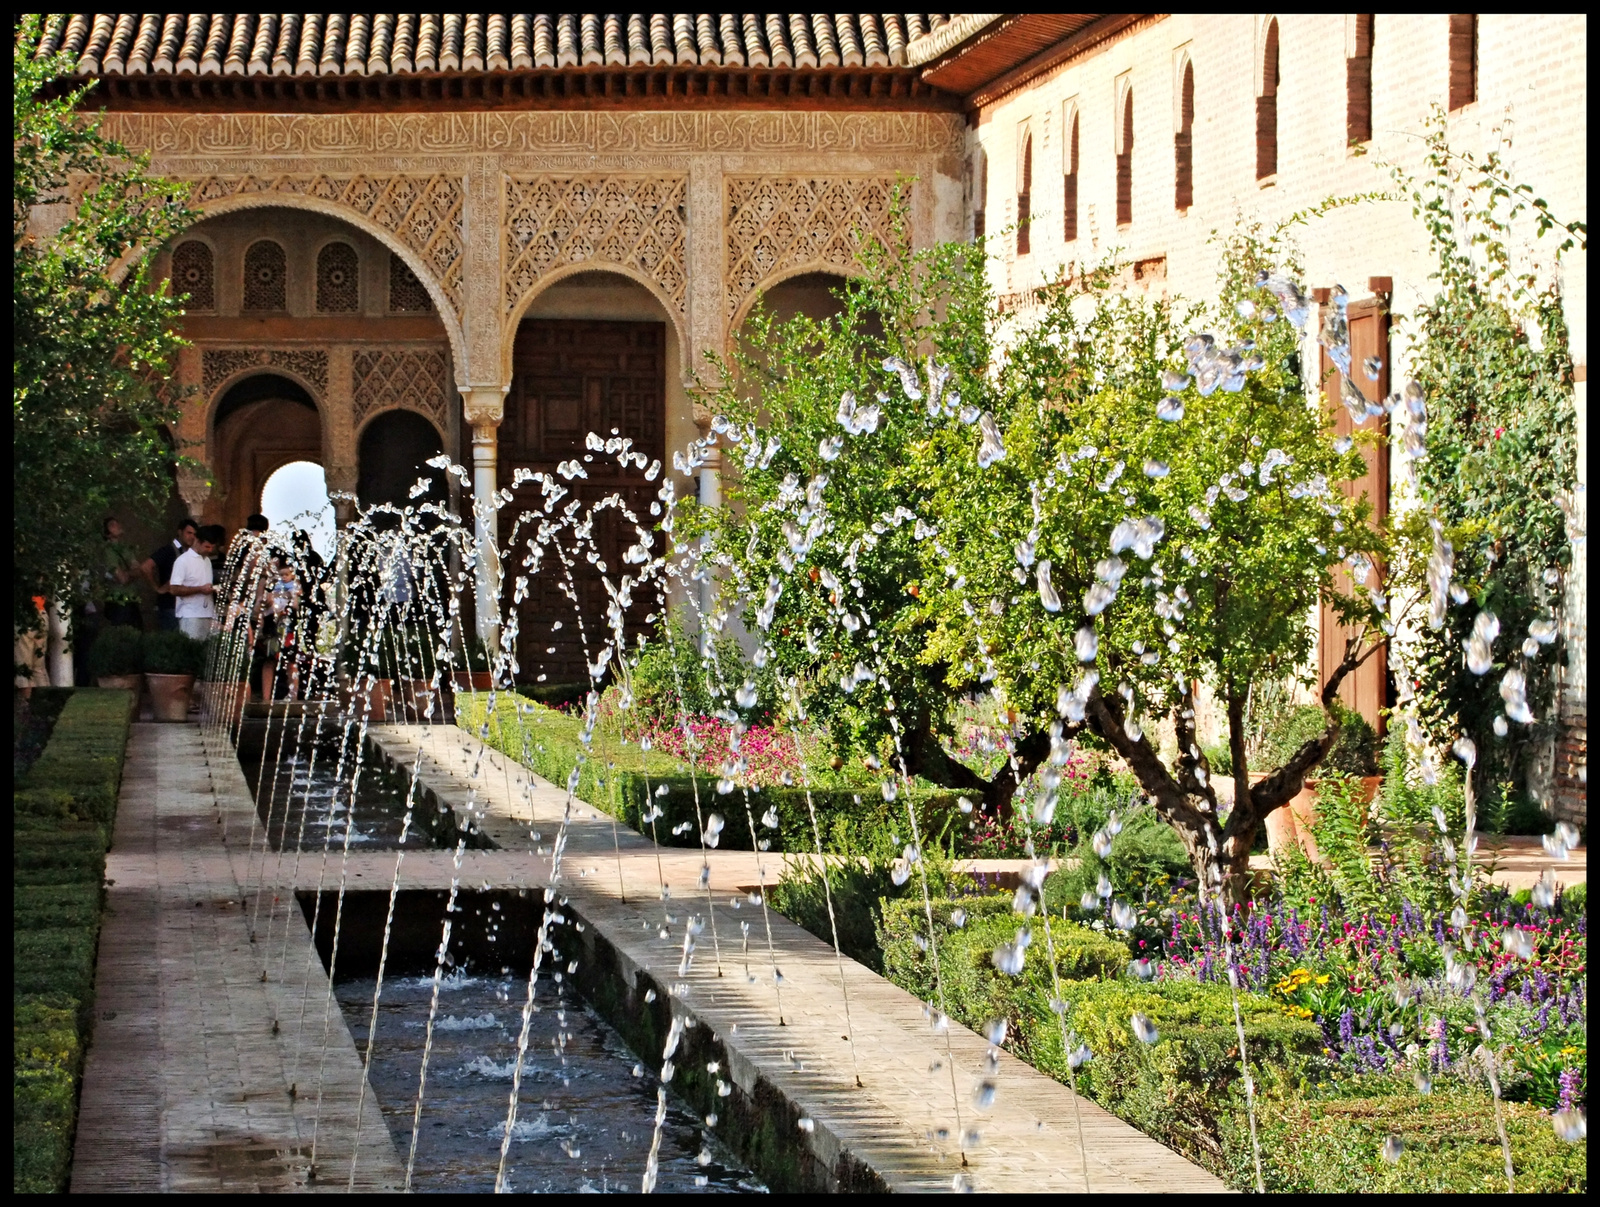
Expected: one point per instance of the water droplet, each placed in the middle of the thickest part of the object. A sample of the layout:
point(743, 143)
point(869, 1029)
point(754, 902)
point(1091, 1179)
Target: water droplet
point(993, 448)
point(1143, 969)
point(1143, 1029)
point(1156, 469)
point(1570, 1126)
point(807, 1125)
point(1393, 1148)
point(1170, 408)
point(983, 1099)
point(1047, 592)
point(1372, 366)
point(1343, 445)
point(1086, 643)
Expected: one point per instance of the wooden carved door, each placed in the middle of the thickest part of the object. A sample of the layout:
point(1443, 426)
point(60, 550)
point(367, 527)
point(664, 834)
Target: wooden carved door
point(1367, 689)
point(570, 378)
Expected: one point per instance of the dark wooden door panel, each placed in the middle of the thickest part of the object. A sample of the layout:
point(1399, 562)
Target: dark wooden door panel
point(570, 378)
point(1365, 691)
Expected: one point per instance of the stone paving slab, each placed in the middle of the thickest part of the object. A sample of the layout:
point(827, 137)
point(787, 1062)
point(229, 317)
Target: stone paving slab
point(796, 1041)
point(188, 1075)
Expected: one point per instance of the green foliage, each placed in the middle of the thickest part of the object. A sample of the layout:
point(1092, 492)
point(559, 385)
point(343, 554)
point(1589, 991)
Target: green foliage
point(1491, 351)
point(93, 342)
point(1354, 752)
point(116, 651)
point(1330, 1142)
point(627, 782)
point(62, 825)
point(170, 652)
point(47, 1064)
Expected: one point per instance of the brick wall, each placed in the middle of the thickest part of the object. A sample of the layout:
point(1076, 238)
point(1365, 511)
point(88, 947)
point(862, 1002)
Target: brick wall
point(1530, 68)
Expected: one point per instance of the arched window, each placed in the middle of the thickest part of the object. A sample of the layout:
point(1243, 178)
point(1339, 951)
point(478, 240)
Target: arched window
point(1125, 163)
point(1025, 193)
point(266, 277)
point(1183, 143)
point(980, 192)
point(193, 273)
point(338, 279)
point(1069, 183)
point(1358, 83)
point(1267, 107)
point(1463, 59)
point(407, 295)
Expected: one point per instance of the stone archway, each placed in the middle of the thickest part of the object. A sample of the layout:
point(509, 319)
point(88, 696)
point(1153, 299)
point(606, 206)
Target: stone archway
point(260, 423)
point(393, 452)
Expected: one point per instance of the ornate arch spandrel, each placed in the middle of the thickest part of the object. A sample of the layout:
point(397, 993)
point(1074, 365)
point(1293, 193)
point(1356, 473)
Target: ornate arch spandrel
point(401, 379)
point(779, 226)
point(420, 215)
point(223, 367)
point(562, 223)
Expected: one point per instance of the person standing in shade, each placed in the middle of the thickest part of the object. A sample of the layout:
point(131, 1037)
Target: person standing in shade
point(122, 573)
point(158, 569)
point(192, 586)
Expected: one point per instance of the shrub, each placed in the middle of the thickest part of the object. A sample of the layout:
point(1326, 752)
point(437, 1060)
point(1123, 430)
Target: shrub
point(173, 653)
point(1327, 1144)
point(626, 781)
point(47, 1059)
point(1355, 752)
point(116, 651)
point(54, 960)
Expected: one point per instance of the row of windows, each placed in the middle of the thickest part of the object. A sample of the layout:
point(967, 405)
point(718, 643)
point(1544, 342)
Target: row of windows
point(1358, 128)
point(266, 280)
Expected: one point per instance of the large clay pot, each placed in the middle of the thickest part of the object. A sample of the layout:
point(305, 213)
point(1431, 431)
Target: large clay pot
point(475, 681)
point(1303, 814)
point(169, 696)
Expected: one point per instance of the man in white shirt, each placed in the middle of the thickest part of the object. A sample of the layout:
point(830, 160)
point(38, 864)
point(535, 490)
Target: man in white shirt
point(191, 584)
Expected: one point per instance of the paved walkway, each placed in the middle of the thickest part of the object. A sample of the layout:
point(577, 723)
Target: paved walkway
point(188, 1078)
point(893, 1120)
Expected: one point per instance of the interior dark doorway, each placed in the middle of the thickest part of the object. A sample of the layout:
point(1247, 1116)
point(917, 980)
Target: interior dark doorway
point(571, 377)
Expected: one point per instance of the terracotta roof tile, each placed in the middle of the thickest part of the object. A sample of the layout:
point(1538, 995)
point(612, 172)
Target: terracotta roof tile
point(401, 43)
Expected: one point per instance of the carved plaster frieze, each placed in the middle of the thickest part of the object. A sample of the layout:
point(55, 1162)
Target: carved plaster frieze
point(778, 224)
point(411, 379)
point(308, 364)
point(555, 222)
point(423, 212)
point(301, 135)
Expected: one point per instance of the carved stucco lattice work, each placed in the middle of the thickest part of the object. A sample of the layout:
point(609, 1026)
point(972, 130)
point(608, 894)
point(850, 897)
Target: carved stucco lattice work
point(422, 212)
point(554, 222)
point(412, 379)
point(774, 223)
point(308, 364)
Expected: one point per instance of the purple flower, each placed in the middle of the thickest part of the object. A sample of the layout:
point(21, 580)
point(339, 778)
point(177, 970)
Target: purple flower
point(1569, 1088)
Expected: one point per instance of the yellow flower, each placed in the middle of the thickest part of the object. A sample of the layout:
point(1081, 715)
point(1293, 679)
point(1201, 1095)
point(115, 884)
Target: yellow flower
point(1323, 979)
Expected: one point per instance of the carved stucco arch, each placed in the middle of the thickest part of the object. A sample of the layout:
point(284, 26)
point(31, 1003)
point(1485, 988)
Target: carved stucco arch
point(680, 330)
point(767, 284)
point(368, 420)
point(267, 368)
point(443, 304)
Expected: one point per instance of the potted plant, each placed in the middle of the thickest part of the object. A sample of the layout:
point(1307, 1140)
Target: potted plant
point(406, 659)
point(1354, 752)
point(115, 658)
point(172, 660)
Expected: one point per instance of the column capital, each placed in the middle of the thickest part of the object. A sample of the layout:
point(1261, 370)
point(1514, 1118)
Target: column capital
point(484, 405)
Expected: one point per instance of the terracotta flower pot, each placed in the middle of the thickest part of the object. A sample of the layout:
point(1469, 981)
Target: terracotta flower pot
point(1302, 814)
point(169, 696)
point(377, 700)
point(474, 681)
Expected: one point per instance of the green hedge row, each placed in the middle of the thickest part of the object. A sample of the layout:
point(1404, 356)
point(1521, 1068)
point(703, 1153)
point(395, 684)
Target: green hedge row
point(624, 780)
point(63, 814)
point(1317, 1134)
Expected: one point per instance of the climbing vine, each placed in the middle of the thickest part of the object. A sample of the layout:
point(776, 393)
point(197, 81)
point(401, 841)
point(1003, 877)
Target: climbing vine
point(1491, 353)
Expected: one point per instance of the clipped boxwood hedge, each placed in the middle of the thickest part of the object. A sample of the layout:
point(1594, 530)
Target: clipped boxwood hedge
point(625, 781)
point(63, 812)
point(1185, 1089)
